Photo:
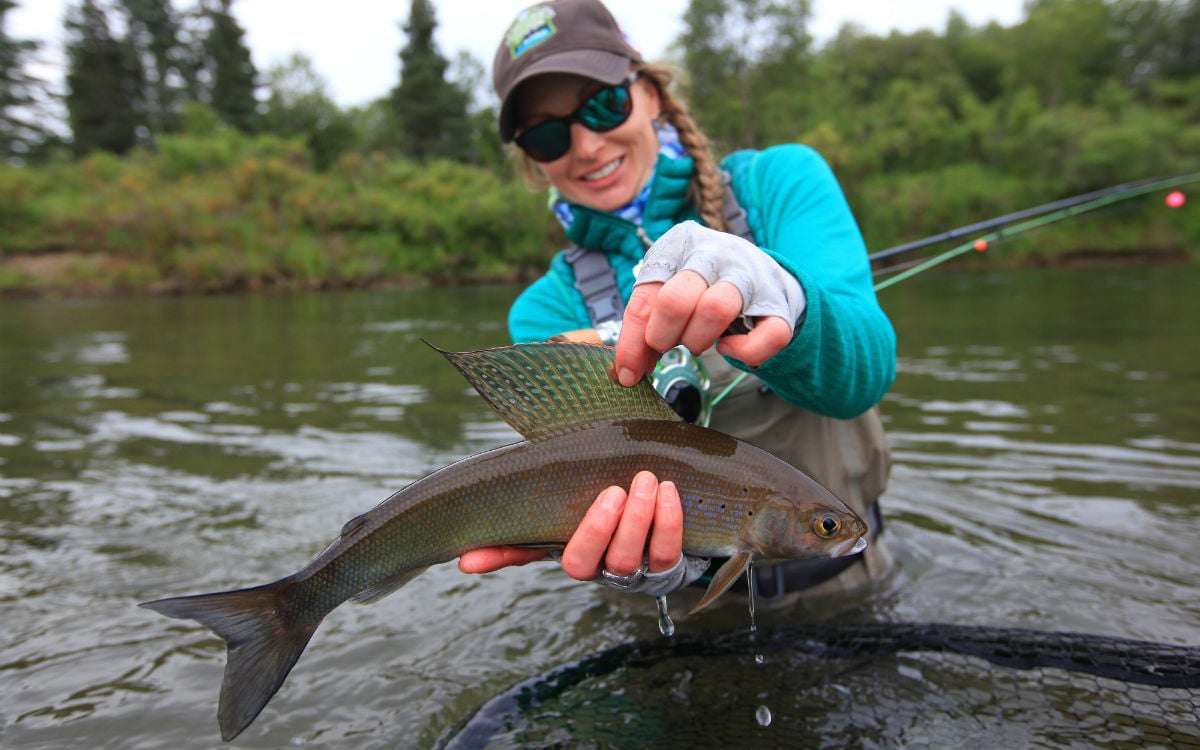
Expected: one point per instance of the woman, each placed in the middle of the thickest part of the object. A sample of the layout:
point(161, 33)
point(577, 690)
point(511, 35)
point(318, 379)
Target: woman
point(656, 223)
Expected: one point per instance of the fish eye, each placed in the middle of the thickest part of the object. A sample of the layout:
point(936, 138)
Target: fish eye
point(826, 526)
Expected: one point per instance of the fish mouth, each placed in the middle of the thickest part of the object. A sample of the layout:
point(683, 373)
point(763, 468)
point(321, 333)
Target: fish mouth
point(847, 548)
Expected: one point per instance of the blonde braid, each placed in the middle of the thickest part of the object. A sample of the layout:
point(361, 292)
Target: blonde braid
point(707, 191)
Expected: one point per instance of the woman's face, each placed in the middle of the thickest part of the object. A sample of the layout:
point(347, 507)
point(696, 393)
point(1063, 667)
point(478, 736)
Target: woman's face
point(602, 170)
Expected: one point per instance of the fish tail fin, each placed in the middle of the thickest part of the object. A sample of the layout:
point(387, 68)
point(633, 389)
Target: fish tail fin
point(263, 642)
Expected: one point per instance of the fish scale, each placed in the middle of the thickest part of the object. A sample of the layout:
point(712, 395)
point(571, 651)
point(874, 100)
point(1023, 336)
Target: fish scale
point(584, 432)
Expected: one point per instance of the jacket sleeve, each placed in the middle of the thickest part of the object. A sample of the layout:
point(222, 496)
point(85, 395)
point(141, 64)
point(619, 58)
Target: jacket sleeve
point(842, 358)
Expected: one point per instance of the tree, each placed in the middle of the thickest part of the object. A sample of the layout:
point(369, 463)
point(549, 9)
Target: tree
point(19, 130)
point(230, 78)
point(736, 52)
point(154, 30)
point(104, 83)
point(430, 111)
point(298, 104)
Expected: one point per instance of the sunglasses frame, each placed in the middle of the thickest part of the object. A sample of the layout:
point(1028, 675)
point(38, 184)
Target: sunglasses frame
point(579, 117)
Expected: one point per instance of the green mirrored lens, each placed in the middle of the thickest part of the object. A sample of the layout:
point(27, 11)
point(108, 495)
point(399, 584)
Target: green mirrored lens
point(606, 109)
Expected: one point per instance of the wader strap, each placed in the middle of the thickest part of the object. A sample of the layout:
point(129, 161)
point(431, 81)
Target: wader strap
point(597, 281)
point(735, 215)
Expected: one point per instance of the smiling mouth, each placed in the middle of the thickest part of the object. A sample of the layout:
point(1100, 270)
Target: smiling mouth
point(604, 171)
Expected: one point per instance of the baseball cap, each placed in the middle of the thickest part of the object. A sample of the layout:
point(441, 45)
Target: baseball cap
point(560, 36)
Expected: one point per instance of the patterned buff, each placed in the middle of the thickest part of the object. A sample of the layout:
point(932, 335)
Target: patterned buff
point(668, 145)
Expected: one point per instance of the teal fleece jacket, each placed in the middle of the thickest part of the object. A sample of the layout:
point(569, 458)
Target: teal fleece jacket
point(842, 358)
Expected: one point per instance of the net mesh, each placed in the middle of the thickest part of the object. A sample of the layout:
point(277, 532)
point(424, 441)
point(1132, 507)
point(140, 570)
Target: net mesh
point(859, 685)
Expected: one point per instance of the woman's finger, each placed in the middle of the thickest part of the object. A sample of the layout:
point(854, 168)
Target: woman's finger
point(673, 308)
point(768, 337)
point(586, 547)
point(666, 538)
point(717, 307)
point(634, 359)
point(489, 559)
point(628, 546)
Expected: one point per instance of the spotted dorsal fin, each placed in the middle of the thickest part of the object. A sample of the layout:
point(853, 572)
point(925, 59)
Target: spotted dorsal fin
point(547, 389)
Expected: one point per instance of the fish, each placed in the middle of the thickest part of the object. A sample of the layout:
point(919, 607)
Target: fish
point(583, 432)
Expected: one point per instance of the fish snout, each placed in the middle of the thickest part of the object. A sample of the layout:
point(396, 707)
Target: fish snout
point(851, 546)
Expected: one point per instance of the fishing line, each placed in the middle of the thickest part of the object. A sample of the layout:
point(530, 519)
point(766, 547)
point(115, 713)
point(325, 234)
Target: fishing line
point(1106, 211)
point(1042, 215)
point(1035, 219)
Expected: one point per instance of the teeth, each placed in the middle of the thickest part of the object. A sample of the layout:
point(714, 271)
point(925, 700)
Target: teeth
point(604, 171)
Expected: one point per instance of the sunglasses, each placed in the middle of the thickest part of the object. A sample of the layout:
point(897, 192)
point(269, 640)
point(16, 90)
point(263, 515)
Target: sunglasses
point(604, 110)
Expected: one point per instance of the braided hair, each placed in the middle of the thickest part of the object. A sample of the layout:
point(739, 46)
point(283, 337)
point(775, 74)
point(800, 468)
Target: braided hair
point(707, 191)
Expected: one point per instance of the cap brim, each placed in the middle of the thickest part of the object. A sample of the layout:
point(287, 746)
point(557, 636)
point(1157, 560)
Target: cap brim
point(600, 65)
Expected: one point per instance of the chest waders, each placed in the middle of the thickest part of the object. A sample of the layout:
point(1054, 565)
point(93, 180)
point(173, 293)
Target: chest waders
point(850, 457)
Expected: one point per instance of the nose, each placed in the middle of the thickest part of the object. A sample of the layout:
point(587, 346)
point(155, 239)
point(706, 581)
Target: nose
point(585, 143)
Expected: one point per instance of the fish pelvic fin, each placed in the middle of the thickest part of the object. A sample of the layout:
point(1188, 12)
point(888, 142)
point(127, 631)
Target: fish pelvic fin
point(263, 644)
point(546, 389)
point(385, 586)
point(725, 576)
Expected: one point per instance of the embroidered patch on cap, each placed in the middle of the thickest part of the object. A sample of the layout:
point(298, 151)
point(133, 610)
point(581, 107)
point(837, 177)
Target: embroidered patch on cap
point(532, 27)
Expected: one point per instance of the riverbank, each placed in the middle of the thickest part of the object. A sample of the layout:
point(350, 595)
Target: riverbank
point(225, 213)
point(73, 274)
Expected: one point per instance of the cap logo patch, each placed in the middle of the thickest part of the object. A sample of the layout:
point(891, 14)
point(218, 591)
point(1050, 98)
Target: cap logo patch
point(531, 27)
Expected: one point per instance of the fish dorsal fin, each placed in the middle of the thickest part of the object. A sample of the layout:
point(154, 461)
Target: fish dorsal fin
point(546, 389)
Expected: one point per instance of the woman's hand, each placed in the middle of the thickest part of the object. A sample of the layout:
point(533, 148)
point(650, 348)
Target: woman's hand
point(619, 530)
point(695, 284)
point(623, 528)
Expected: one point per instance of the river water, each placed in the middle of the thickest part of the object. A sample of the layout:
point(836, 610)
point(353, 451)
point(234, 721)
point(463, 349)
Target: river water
point(1045, 427)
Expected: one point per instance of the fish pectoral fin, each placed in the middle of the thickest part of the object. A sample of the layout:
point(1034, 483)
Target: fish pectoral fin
point(384, 586)
point(724, 578)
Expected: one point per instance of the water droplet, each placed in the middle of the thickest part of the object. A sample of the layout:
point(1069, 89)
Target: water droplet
point(763, 715)
point(758, 659)
point(665, 625)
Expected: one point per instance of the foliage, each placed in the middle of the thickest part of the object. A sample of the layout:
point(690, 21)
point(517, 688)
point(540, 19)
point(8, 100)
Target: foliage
point(19, 129)
point(298, 105)
point(926, 131)
point(216, 210)
point(430, 112)
point(154, 31)
point(226, 67)
point(104, 83)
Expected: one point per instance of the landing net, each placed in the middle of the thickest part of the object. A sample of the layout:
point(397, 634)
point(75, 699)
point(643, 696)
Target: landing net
point(857, 685)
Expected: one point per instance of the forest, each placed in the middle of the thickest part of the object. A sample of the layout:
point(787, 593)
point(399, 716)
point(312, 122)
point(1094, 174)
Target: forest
point(182, 167)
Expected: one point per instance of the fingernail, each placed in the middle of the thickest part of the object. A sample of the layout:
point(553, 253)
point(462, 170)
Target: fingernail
point(643, 483)
point(627, 377)
point(614, 499)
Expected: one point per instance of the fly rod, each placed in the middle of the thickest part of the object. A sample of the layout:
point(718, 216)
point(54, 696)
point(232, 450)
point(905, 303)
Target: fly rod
point(1036, 217)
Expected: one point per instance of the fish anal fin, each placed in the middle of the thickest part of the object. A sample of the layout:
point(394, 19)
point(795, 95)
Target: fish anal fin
point(546, 389)
point(734, 567)
point(384, 586)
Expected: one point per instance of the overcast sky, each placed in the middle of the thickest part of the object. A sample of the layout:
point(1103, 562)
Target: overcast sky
point(354, 43)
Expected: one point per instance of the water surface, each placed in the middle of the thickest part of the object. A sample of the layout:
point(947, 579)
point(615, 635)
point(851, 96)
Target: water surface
point(1045, 426)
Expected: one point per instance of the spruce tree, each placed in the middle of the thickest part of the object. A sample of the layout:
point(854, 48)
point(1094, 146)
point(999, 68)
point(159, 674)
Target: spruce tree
point(155, 32)
point(19, 130)
point(430, 111)
point(104, 83)
point(230, 75)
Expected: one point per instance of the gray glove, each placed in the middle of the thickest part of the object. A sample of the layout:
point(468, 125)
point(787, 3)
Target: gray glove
point(641, 581)
point(767, 288)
